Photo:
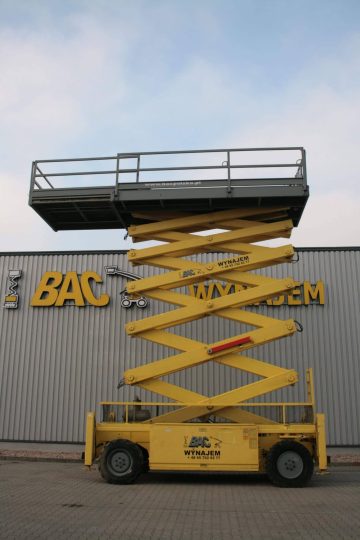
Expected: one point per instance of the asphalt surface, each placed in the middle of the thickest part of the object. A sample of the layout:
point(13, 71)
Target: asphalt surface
point(64, 500)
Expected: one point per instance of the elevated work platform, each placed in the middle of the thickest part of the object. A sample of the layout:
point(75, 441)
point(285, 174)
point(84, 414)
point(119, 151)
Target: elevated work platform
point(74, 194)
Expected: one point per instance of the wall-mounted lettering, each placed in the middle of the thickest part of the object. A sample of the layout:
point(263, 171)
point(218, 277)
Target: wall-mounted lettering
point(304, 293)
point(55, 289)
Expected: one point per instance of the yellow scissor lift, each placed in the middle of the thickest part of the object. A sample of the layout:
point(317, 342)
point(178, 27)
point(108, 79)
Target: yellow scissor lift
point(229, 431)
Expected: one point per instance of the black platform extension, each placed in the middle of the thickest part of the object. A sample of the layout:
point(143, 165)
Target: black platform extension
point(74, 194)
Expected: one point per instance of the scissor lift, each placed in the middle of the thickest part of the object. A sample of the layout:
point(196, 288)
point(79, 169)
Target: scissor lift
point(190, 431)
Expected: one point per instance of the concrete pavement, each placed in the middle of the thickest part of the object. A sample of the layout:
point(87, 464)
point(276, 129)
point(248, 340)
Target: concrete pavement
point(64, 500)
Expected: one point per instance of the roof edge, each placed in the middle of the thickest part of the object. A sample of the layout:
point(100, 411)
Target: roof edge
point(125, 251)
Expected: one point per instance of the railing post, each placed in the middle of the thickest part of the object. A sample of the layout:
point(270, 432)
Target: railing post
point(117, 173)
point(138, 168)
point(32, 180)
point(303, 163)
point(229, 172)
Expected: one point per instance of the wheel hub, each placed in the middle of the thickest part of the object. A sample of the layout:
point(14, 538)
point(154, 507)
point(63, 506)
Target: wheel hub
point(120, 462)
point(290, 465)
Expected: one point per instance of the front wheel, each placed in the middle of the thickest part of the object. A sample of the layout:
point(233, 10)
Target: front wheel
point(121, 462)
point(289, 464)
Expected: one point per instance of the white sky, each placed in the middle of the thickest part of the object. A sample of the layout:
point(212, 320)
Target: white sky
point(98, 77)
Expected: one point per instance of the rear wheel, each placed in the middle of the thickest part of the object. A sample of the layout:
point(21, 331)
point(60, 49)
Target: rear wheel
point(289, 464)
point(121, 462)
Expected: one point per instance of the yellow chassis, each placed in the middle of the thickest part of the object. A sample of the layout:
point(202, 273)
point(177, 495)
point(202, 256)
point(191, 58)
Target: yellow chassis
point(182, 438)
point(243, 446)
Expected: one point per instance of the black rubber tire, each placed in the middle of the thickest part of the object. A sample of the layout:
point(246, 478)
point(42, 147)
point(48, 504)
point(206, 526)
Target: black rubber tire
point(305, 464)
point(145, 454)
point(121, 462)
point(100, 471)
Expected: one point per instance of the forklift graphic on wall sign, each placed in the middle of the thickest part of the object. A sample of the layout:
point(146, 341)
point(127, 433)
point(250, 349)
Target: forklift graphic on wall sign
point(127, 300)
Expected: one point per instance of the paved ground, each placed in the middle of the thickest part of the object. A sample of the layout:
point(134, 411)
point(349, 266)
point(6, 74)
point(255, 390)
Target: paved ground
point(63, 500)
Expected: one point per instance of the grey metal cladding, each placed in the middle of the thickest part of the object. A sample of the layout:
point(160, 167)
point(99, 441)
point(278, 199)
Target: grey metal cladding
point(57, 363)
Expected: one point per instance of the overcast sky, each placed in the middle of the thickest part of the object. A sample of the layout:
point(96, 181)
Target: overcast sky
point(83, 78)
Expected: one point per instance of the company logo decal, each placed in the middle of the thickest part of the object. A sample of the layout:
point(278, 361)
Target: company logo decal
point(235, 261)
point(56, 289)
point(202, 447)
point(127, 300)
point(12, 296)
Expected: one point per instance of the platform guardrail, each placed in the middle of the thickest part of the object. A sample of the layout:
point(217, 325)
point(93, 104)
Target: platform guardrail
point(282, 166)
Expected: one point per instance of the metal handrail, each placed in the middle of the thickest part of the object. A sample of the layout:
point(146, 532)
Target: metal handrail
point(281, 405)
point(299, 176)
point(196, 404)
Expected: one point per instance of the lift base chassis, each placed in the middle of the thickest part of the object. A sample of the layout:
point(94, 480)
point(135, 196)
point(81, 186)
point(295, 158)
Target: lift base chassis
point(205, 446)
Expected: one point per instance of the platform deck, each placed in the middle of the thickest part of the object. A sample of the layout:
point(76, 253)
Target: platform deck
point(123, 193)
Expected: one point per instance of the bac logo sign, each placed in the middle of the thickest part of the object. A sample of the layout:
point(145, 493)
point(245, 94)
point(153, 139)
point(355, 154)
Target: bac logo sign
point(55, 289)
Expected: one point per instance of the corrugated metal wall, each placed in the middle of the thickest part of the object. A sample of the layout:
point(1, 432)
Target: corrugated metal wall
point(57, 363)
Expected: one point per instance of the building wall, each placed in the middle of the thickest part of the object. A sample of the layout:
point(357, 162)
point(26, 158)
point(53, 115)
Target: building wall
point(56, 363)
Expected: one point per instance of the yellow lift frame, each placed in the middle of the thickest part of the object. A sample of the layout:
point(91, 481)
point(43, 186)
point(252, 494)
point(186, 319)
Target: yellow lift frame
point(224, 432)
